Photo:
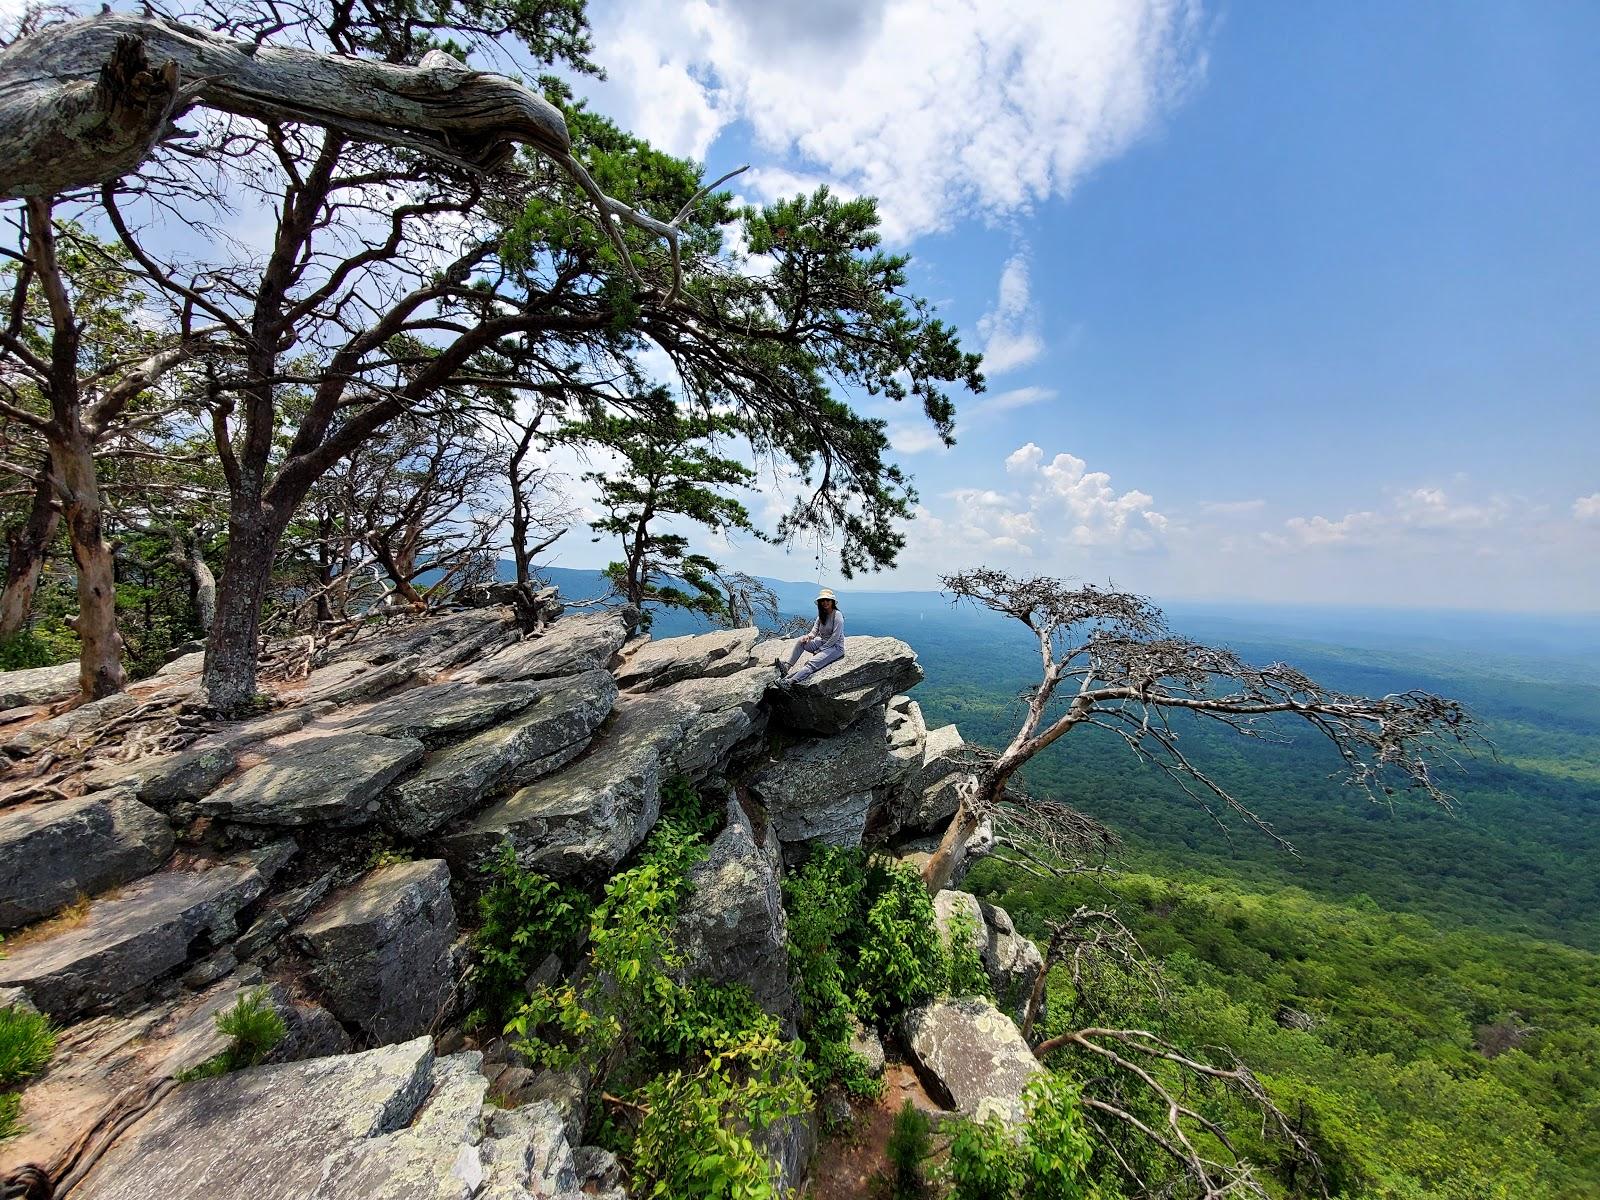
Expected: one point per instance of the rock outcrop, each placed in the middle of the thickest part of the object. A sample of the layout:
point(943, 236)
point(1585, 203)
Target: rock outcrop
point(1011, 961)
point(243, 858)
point(51, 854)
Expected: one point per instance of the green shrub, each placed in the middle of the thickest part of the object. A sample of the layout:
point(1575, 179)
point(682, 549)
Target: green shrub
point(255, 1028)
point(45, 645)
point(696, 1071)
point(10, 1115)
point(900, 962)
point(967, 976)
point(26, 1044)
point(523, 916)
point(910, 1140)
point(1047, 1160)
point(683, 805)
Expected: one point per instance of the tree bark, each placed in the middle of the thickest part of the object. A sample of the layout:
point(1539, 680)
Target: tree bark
point(230, 665)
point(26, 545)
point(84, 102)
point(100, 657)
point(945, 861)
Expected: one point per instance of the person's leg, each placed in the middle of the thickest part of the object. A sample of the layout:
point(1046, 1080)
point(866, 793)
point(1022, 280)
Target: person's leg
point(799, 648)
point(819, 660)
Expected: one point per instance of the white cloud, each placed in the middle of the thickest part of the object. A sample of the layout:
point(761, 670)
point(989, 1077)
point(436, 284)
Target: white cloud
point(941, 108)
point(1587, 508)
point(914, 437)
point(1009, 329)
point(1414, 513)
point(1007, 401)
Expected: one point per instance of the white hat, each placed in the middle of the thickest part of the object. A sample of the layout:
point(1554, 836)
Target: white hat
point(827, 594)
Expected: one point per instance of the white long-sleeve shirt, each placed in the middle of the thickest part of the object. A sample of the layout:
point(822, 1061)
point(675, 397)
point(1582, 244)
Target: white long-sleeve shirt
point(829, 634)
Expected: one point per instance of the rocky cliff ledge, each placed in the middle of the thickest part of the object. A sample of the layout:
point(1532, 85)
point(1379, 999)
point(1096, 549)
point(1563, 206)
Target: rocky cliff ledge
point(155, 865)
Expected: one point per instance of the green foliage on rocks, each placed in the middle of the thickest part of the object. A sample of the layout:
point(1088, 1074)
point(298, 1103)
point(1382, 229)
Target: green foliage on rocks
point(1048, 1160)
point(255, 1028)
point(26, 1044)
point(523, 916)
point(692, 1074)
point(967, 976)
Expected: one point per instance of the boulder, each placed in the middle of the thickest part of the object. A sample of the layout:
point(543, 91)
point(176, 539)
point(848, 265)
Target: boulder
point(538, 740)
point(384, 951)
point(650, 665)
point(731, 927)
point(932, 793)
point(335, 779)
point(872, 670)
point(788, 1144)
point(351, 681)
point(527, 1155)
point(38, 685)
point(570, 646)
point(1012, 961)
point(436, 642)
point(714, 717)
point(279, 914)
point(972, 1055)
point(146, 930)
point(391, 1122)
point(821, 791)
point(866, 1043)
point(50, 854)
point(435, 714)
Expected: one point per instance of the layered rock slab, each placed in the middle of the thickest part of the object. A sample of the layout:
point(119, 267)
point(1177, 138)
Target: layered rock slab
point(38, 685)
point(1011, 961)
point(872, 670)
point(586, 819)
point(544, 736)
point(50, 854)
point(570, 646)
point(384, 951)
point(434, 714)
point(334, 779)
point(658, 664)
point(135, 937)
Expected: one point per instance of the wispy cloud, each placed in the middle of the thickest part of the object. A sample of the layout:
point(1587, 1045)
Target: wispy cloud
point(1587, 508)
point(943, 109)
point(1010, 329)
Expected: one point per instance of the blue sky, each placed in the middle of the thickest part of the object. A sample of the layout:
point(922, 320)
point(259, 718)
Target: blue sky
point(1283, 302)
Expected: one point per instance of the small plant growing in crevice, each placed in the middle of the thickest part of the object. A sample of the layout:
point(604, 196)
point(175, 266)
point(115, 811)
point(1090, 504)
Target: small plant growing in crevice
point(255, 1028)
point(910, 1141)
point(1048, 1159)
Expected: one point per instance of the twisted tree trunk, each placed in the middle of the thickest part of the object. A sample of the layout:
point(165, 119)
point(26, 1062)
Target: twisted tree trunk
point(26, 544)
point(85, 102)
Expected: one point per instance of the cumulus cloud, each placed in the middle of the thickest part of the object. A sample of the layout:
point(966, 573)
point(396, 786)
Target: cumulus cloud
point(1587, 508)
point(1422, 512)
point(1010, 329)
point(941, 108)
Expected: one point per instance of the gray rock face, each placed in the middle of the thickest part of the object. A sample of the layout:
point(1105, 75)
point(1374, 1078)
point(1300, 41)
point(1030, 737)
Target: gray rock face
point(732, 927)
point(437, 713)
point(972, 1054)
point(570, 646)
point(38, 685)
point(653, 665)
point(75, 727)
point(1013, 962)
point(866, 1042)
point(134, 938)
point(587, 818)
point(1010, 960)
point(333, 780)
point(352, 680)
point(191, 773)
point(932, 794)
point(436, 642)
point(821, 791)
point(52, 853)
point(542, 737)
point(280, 1132)
point(873, 669)
point(713, 716)
point(384, 951)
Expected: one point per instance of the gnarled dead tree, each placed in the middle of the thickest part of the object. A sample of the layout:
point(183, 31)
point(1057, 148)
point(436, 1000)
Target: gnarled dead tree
point(1108, 660)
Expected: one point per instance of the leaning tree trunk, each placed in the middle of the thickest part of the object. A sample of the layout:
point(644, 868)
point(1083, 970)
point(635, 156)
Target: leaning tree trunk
point(946, 860)
point(100, 656)
point(202, 581)
point(26, 544)
point(84, 102)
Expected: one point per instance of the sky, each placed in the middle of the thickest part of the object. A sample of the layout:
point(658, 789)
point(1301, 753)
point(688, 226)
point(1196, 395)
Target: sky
point(1281, 303)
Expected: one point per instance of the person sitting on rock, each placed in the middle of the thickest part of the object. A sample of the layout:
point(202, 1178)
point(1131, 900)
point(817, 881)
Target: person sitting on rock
point(824, 642)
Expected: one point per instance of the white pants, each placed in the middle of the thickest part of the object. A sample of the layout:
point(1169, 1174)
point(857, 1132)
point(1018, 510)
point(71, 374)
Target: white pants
point(829, 654)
